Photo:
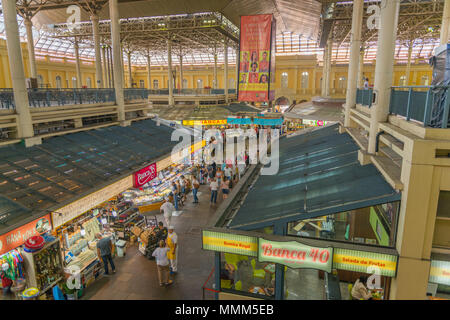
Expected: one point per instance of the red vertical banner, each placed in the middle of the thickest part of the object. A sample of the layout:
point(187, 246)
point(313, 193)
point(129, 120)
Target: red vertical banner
point(255, 58)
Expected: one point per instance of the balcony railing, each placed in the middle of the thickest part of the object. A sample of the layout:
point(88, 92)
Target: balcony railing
point(190, 92)
point(426, 104)
point(39, 98)
point(364, 97)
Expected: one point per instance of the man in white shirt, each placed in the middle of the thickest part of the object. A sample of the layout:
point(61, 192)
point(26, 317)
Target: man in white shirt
point(228, 173)
point(167, 209)
point(214, 186)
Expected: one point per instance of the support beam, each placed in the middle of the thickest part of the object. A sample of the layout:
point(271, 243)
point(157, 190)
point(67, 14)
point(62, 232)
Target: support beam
point(384, 68)
point(78, 64)
point(445, 22)
point(237, 71)
point(111, 68)
point(324, 71)
point(30, 46)
point(408, 66)
point(361, 68)
point(98, 58)
point(181, 72)
point(215, 83)
point(169, 71)
point(328, 74)
point(117, 60)
point(149, 75)
point(105, 68)
point(225, 73)
point(130, 75)
point(25, 126)
point(352, 82)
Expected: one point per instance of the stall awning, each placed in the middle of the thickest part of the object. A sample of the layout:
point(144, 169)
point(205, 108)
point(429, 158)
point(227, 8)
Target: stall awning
point(319, 174)
point(239, 120)
point(268, 121)
point(63, 169)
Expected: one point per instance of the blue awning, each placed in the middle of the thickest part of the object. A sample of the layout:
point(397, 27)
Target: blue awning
point(268, 122)
point(319, 174)
point(239, 121)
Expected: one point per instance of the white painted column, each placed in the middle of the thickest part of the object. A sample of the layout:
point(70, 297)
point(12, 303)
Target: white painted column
point(215, 83)
point(408, 65)
point(25, 126)
point(130, 75)
point(149, 76)
point(361, 68)
point(98, 58)
point(352, 82)
point(78, 64)
point(384, 68)
point(225, 73)
point(30, 45)
point(181, 72)
point(117, 60)
point(110, 67)
point(445, 22)
point(169, 71)
point(105, 68)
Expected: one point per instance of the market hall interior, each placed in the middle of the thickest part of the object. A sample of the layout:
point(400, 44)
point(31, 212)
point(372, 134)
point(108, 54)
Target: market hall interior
point(92, 92)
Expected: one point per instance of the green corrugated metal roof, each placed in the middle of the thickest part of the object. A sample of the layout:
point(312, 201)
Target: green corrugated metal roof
point(319, 174)
point(64, 168)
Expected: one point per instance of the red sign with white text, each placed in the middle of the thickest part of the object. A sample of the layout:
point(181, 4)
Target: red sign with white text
point(17, 237)
point(255, 56)
point(145, 175)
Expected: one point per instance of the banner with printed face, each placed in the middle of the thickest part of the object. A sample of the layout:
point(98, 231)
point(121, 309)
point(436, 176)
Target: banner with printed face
point(255, 56)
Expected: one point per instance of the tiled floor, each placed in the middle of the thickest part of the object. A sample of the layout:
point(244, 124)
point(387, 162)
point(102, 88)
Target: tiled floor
point(136, 276)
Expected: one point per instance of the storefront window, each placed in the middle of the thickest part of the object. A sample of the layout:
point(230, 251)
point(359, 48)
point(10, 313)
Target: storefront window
point(247, 275)
point(374, 225)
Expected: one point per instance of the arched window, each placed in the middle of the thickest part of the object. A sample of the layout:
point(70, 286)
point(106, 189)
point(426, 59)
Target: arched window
point(341, 83)
point(88, 82)
point(74, 82)
point(305, 80)
point(155, 84)
point(231, 83)
point(141, 84)
point(425, 80)
point(58, 82)
point(402, 81)
point(199, 84)
point(284, 80)
point(185, 83)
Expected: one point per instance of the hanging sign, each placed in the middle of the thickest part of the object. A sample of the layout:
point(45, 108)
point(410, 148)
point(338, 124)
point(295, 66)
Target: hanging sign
point(204, 122)
point(295, 255)
point(256, 60)
point(440, 272)
point(17, 237)
point(231, 243)
point(145, 175)
point(366, 262)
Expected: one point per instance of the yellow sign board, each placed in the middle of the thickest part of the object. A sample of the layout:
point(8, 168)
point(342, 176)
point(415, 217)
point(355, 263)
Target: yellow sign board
point(440, 272)
point(204, 122)
point(231, 243)
point(361, 261)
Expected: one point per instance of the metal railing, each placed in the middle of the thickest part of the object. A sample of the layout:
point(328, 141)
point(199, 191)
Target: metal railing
point(364, 97)
point(427, 104)
point(193, 92)
point(44, 97)
point(39, 98)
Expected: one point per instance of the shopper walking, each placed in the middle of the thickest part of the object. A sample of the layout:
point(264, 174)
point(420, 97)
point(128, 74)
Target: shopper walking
point(175, 195)
point(172, 243)
point(214, 186)
point(219, 175)
point(162, 263)
point(195, 187)
point(104, 250)
point(167, 209)
point(225, 186)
